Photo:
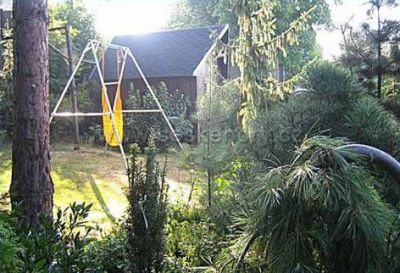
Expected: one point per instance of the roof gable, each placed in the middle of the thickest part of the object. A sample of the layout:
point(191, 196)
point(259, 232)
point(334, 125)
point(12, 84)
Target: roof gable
point(163, 54)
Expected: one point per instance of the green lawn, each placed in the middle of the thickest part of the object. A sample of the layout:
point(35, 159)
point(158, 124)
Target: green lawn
point(94, 175)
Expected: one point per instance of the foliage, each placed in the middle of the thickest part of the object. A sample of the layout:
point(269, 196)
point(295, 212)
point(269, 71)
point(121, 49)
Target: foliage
point(94, 135)
point(217, 118)
point(373, 54)
point(11, 249)
point(146, 216)
point(200, 13)
point(53, 246)
point(307, 49)
point(368, 123)
point(332, 103)
point(217, 111)
point(320, 213)
point(6, 95)
point(215, 155)
point(74, 14)
point(260, 42)
point(255, 53)
point(196, 13)
point(140, 127)
point(59, 246)
point(191, 240)
point(110, 252)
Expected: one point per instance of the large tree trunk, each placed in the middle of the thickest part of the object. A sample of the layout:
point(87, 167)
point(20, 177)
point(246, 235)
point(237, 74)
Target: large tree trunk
point(31, 185)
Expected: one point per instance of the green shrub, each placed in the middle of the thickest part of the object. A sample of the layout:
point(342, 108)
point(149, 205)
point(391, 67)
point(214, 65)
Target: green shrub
point(59, 245)
point(139, 127)
point(11, 249)
point(193, 241)
point(110, 252)
point(333, 83)
point(369, 123)
point(146, 216)
point(333, 104)
point(320, 213)
point(94, 135)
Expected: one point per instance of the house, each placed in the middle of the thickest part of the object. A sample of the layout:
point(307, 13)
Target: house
point(178, 58)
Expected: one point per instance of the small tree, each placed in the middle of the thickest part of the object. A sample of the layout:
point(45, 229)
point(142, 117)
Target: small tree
point(147, 196)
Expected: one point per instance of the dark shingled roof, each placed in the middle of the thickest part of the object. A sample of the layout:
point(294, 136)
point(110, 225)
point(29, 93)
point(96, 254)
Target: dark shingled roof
point(163, 54)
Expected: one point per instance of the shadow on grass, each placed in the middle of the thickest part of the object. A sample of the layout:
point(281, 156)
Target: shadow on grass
point(79, 173)
point(79, 178)
point(100, 198)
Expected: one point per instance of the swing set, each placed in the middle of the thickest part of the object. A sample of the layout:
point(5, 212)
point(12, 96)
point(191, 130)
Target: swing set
point(112, 114)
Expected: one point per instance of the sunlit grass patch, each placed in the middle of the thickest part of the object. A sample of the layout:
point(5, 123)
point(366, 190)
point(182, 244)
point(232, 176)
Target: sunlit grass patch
point(97, 176)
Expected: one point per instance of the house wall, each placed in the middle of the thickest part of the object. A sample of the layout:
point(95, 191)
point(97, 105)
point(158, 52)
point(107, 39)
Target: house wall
point(202, 71)
point(202, 76)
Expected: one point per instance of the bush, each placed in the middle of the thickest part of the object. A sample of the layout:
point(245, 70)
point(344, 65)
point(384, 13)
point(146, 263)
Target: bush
point(146, 216)
point(369, 123)
point(320, 213)
point(11, 249)
point(110, 252)
point(334, 105)
point(59, 245)
point(140, 127)
point(193, 241)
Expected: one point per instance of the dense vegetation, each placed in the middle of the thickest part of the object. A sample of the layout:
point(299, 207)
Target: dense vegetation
point(274, 185)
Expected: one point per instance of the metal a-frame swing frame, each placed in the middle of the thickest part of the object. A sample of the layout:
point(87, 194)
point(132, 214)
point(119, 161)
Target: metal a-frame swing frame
point(93, 47)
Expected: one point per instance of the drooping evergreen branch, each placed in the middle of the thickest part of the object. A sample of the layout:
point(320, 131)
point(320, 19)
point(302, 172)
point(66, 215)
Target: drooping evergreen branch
point(255, 53)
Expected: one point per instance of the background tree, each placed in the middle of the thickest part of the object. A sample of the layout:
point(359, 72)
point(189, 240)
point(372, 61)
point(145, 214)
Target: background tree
point(255, 53)
point(82, 29)
point(31, 181)
point(6, 117)
point(371, 52)
point(262, 34)
point(81, 21)
point(196, 13)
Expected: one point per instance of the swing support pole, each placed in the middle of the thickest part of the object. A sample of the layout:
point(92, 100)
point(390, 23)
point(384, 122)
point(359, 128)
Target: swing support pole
point(93, 46)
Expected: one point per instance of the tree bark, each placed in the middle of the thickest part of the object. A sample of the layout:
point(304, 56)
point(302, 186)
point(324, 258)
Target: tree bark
point(31, 185)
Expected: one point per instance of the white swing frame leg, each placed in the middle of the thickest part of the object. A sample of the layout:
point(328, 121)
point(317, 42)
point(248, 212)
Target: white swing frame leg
point(71, 78)
point(93, 46)
point(94, 51)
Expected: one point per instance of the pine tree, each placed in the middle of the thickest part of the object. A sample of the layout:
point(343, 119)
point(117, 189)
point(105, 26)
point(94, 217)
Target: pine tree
point(31, 181)
point(255, 53)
